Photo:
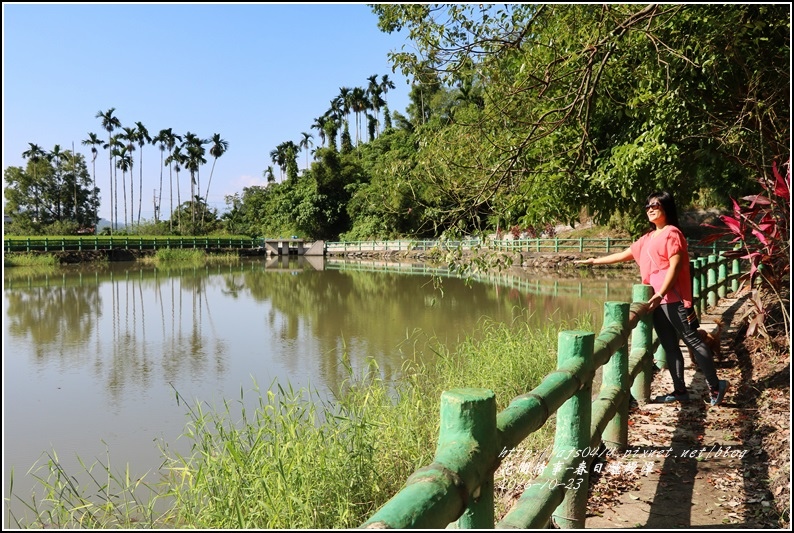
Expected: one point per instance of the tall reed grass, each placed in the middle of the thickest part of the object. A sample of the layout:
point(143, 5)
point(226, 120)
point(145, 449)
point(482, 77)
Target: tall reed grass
point(297, 460)
point(194, 256)
point(29, 259)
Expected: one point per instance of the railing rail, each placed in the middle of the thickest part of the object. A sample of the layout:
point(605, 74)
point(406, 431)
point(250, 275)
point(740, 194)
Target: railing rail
point(63, 244)
point(458, 486)
point(540, 245)
point(544, 245)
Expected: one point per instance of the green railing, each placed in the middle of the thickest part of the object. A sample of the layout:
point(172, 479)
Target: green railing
point(605, 245)
point(458, 486)
point(61, 244)
point(549, 245)
point(348, 247)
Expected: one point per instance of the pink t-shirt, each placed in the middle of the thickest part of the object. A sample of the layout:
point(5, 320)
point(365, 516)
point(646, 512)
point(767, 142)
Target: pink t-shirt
point(651, 252)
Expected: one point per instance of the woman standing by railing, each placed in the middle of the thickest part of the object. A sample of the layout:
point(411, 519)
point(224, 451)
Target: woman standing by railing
point(663, 258)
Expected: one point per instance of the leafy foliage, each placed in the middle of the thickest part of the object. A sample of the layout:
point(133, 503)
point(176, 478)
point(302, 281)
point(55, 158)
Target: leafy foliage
point(760, 227)
point(52, 195)
point(594, 105)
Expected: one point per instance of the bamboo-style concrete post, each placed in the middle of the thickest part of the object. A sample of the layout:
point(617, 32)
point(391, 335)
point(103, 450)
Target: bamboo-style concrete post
point(722, 275)
point(703, 286)
point(616, 374)
point(693, 267)
point(642, 339)
point(736, 272)
point(468, 426)
point(660, 357)
point(711, 281)
point(574, 348)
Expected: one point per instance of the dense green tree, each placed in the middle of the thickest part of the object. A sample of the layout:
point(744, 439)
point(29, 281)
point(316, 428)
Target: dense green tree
point(384, 205)
point(593, 105)
point(197, 218)
point(36, 199)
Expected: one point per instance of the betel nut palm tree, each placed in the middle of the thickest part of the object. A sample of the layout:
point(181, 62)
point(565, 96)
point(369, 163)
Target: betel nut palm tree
point(142, 137)
point(34, 154)
point(110, 123)
point(130, 136)
point(93, 141)
point(305, 144)
point(169, 139)
point(177, 160)
point(218, 148)
point(194, 146)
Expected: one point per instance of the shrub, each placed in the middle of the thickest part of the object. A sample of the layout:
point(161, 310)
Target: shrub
point(759, 228)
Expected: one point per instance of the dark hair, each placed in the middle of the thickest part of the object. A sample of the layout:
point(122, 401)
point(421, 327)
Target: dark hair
point(668, 205)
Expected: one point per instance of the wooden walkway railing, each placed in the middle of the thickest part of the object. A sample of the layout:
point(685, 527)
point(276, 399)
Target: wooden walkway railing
point(458, 486)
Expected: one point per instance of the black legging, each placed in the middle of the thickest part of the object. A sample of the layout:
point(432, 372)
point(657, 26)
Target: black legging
point(670, 322)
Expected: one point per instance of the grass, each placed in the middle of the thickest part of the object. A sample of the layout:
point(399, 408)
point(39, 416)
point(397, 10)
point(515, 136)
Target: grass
point(178, 255)
point(30, 260)
point(298, 461)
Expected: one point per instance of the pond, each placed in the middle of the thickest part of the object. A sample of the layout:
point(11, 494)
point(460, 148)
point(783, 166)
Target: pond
point(94, 356)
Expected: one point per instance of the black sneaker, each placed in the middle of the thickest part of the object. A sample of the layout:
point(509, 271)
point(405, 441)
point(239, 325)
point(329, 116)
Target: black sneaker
point(672, 397)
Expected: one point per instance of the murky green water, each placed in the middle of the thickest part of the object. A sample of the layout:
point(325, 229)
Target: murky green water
point(93, 356)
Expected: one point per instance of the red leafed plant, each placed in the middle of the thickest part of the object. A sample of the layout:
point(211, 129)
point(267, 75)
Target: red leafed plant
point(760, 228)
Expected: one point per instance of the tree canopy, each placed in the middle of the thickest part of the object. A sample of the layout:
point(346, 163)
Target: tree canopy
point(595, 105)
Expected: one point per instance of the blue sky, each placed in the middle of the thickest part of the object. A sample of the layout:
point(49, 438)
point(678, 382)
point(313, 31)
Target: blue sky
point(257, 74)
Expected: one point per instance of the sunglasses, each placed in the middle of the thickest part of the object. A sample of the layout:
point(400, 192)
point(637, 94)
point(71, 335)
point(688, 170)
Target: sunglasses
point(653, 206)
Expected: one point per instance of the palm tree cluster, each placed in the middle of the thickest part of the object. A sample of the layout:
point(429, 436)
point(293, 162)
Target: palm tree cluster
point(177, 153)
point(367, 101)
point(64, 194)
point(358, 100)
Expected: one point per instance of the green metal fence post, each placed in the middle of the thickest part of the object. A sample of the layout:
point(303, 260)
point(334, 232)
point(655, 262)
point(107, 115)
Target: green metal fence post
point(616, 374)
point(572, 435)
point(722, 276)
point(642, 339)
point(711, 281)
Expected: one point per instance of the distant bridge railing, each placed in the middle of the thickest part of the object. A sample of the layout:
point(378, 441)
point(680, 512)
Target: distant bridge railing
point(66, 244)
point(458, 486)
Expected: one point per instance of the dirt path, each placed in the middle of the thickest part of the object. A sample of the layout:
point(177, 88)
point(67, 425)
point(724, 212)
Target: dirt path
point(691, 464)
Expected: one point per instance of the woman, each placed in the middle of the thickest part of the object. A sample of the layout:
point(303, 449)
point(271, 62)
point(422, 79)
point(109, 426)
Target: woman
point(663, 258)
